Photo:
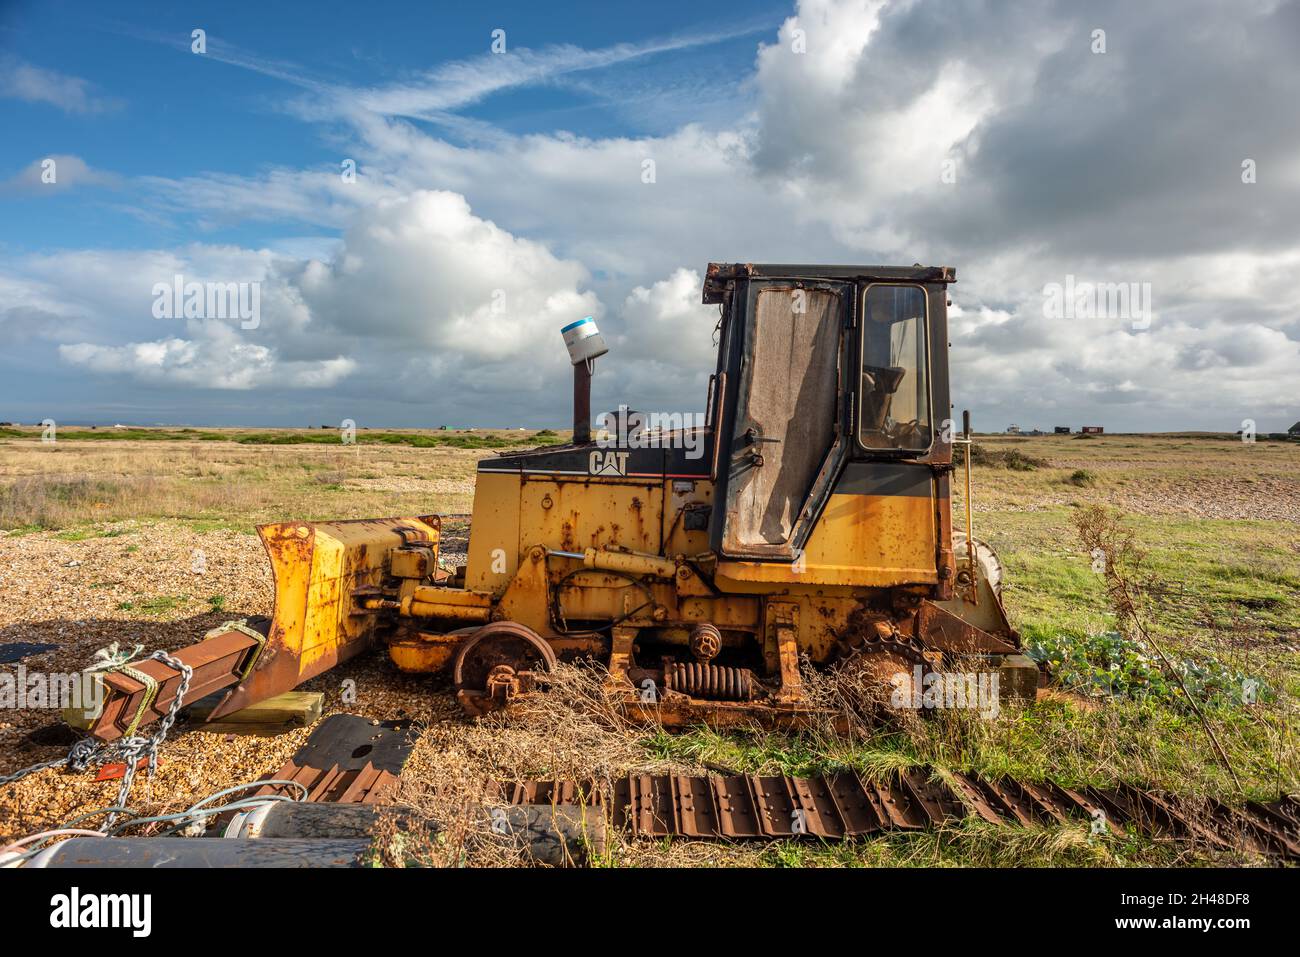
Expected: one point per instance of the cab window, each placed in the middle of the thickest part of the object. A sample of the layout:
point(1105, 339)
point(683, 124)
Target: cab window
point(895, 394)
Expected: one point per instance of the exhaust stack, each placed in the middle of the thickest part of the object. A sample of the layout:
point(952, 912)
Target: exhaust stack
point(585, 345)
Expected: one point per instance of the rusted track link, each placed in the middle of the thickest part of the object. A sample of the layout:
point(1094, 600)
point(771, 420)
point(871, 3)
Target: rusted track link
point(844, 805)
point(335, 785)
point(353, 760)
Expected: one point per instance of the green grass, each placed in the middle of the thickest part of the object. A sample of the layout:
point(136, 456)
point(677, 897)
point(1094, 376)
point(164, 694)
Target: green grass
point(138, 435)
point(975, 844)
point(1220, 575)
point(158, 605)
point(1233, 593)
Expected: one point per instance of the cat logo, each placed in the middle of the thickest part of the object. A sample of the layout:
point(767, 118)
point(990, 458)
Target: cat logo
point(607, 463)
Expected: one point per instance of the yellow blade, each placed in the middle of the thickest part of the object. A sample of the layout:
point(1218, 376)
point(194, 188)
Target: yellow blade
point(317, 567)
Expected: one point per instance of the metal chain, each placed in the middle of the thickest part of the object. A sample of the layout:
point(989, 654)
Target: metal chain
point(20, 774)
point(88, 752)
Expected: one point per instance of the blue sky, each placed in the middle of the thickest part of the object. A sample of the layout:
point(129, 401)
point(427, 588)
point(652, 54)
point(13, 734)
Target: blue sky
point(161, 111)
point(502, 194)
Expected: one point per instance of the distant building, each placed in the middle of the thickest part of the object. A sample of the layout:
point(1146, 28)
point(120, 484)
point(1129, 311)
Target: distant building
point(1061, 430)
point(1013, 429)
point(1092, 430)
point(1294, 430)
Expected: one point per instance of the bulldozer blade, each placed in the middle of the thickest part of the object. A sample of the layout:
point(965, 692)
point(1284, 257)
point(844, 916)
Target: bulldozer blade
point(318, 569)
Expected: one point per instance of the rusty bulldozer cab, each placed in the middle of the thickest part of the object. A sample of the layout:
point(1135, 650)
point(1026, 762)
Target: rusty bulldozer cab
point(808, 521)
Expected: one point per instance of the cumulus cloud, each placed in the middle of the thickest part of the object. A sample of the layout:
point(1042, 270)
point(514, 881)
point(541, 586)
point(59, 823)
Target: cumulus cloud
point(214, 359)
point(459, 260)
point(425, 271)
point(668, 322)
point(421, 291)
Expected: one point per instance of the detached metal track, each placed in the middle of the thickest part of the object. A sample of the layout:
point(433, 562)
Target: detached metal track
point(843, 805)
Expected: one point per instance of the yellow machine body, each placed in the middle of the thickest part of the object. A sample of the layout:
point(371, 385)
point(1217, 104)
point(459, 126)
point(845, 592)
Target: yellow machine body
point(807, 517)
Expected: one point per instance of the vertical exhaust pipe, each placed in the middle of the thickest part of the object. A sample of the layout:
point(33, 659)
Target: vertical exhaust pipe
point(585, 345)
point(582, 403)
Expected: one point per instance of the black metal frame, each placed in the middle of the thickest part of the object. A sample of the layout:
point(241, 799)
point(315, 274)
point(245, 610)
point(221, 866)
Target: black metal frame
point(738, 285)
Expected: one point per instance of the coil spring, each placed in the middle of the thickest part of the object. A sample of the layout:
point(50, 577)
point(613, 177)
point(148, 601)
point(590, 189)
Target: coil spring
point(715, 682)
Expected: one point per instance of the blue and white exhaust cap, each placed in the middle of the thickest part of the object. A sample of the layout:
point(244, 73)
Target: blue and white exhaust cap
point(583, 340)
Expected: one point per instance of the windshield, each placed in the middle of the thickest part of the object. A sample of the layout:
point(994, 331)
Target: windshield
point(895, 382)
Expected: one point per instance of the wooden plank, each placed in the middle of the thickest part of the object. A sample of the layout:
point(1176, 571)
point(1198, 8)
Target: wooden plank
point(284, 712)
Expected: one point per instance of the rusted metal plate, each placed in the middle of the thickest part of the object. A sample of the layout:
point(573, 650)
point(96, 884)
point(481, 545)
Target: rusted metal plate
point(941, 630)
point(497, 792)
point(1079, 805)
point(351, 742)
point(364, 785)
point(1008, 800)
point(621, 810)
point(1152, 813)
point(1250, 832)
point(348, 759)
point(1272, 826)
point(821, 815)
point(693, 808)
point(934, 798)
point(776, 806)
point(1048, 807)
point(651, 806)
point(734, 802)
point(117, 770)
point(855, 806)
point(554, 792)
point(897, 806)
point(1283, 813)
point(976, 800)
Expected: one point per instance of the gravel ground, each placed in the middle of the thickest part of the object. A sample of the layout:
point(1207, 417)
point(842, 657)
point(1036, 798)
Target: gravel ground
point(73, 593)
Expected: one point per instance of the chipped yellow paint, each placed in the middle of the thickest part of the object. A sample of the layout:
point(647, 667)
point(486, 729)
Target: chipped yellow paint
point(494, 543)
point(869, 541)
point(316, 567)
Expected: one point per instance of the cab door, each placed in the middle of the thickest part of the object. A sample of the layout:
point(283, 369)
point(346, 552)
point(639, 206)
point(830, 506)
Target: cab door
point(786, 358)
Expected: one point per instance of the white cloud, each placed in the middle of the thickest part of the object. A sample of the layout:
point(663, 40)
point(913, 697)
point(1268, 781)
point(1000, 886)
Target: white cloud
point(426, 272)
point(23, 81)
point(1061, 170)
point(54, 174)
point(465, 82)
point(214, 357)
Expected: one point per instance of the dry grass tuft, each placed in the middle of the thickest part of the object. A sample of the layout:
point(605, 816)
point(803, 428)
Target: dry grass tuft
point(51, 501)
point(568, 731)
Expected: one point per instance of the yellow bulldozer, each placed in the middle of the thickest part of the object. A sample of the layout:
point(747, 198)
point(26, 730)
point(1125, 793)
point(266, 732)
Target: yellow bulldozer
point(804, 520)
